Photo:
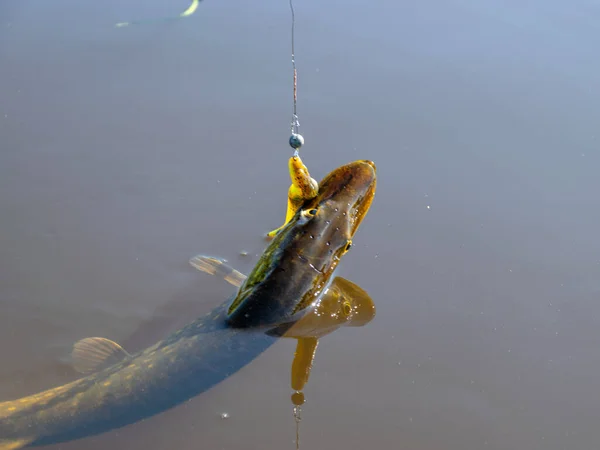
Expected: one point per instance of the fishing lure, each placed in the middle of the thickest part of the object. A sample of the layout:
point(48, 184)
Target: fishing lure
point(188, 12)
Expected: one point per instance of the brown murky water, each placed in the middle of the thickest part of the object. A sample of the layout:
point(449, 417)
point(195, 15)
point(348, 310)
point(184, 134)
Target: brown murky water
point(126, 151)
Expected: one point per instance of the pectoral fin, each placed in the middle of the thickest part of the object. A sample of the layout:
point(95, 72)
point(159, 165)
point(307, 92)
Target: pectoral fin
point(14, 444)
point(95, 353)
point(218, 267)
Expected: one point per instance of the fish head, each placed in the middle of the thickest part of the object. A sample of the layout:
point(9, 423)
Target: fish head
point(343, 200)
point(297, 266)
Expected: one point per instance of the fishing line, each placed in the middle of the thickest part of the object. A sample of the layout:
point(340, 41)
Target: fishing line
point(298, 401)
point(296, 139)
point(298, 418)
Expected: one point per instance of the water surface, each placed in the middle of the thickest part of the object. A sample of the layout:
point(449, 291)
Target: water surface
point(126, 151)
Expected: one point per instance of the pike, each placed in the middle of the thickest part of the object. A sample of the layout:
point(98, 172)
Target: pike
point(292, 277)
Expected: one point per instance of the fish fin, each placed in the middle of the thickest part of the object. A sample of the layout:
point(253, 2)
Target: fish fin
point(14, 444)
point(95, 353)
point(218, 267)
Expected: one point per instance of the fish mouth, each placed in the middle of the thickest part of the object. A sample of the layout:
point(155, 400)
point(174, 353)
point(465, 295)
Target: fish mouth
point(370, 163)
point(356, 177)
point(352, 188)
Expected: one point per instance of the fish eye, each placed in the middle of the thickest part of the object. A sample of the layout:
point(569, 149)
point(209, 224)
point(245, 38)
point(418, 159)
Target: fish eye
point(309, 213)
point(348, 245)
point(346, 308)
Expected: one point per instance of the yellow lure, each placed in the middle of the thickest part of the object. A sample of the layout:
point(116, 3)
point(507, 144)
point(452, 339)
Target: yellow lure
point(188, 12)
point(303, 188)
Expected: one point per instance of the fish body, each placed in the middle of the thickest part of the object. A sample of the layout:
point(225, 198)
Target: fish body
point(158, 378)
point(290, 276)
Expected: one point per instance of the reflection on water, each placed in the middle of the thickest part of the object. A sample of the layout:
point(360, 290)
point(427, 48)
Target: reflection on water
point(287, 294)
point(128, 389)
point(187, 13)
point(343, 304)
point(124, 149)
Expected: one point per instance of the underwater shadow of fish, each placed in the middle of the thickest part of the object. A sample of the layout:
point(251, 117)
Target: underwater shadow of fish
point(175, 313)
point(166, 318)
